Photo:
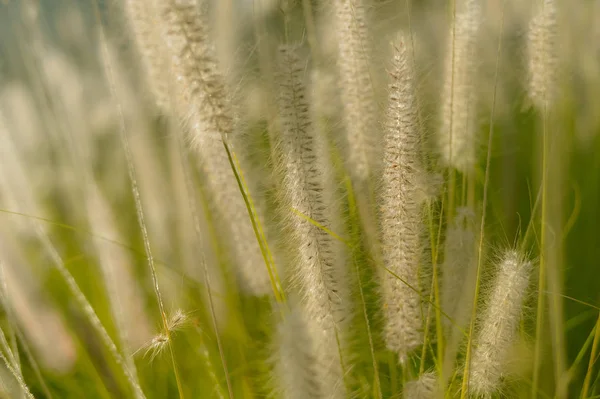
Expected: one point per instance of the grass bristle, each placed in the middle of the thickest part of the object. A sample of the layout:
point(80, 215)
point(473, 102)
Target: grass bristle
point(299, 199)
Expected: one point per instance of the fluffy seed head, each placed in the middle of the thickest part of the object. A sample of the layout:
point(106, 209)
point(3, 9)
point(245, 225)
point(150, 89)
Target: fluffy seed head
point(541, 55)
point(143, 18)
point(401, 225)
point(498, 324)
point(355, 85)
point(320, 274)
point(200, 86)
point(426, 387)
point(456, 138)
point(202, 105)
point(295, 362)
point(178, 320)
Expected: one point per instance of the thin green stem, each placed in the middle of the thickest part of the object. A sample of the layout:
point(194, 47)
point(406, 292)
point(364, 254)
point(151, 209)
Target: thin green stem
point(438, 307)
point(542, 268)
point(355, 218)
point(196, 219)
point(592, 361)
point(137, 200)
point(256, 226)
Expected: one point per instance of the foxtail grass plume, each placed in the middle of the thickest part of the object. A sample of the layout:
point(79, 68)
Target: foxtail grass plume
point(457, 139)
point(309, 188)
point(295, 362)
point(401, 224)
point(425, 387)
point(498, 325)
point(541, 55)
point(356, 88)
point(142, 17)
point(201, 104)
point(200, 90)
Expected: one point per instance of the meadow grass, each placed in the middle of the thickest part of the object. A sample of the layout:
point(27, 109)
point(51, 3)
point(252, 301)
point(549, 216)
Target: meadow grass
point(299, 199)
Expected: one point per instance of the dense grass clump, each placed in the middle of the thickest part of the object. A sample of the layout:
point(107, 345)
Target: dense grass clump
point(299, 199)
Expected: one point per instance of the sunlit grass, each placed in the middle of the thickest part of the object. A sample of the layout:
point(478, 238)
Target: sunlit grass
point(75, 103)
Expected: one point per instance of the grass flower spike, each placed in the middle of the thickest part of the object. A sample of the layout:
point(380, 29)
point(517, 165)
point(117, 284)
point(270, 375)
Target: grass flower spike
point(498, 324)
point(320, 265)
point(319, 184)
point(160, 341)
point(456, 139)
point(426, 387)
point(295, 362)
point(142, 16)
point(202, 105)
point(401, 223)
point(541, 55)
point(355, 86)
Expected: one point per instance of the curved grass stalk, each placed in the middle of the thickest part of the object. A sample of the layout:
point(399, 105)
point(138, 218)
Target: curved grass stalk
point(17, 376)
point(434, 299)
point(592, 361)
point(138, 203)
